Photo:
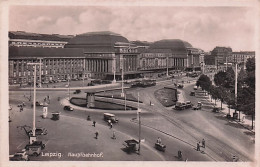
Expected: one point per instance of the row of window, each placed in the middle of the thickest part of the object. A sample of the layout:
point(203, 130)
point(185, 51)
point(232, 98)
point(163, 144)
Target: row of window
point(36, 43)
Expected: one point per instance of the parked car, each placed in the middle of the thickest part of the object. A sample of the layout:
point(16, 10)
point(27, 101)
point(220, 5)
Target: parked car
point(180, 86)
point(19, 156)
point(216, 109)
point(77, 91)
point(192, 93)
point(37, 103)
point(180, 106)
point(36, 143)
point(188, 104)
point(195, 87)
point(198, 107)
point(38, 131)
point(183, 105)
point(68, 108)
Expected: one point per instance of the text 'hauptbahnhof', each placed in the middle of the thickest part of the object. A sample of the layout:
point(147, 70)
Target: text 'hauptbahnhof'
point(95, 55)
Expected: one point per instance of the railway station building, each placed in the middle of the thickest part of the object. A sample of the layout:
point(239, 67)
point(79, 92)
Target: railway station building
point(96, 55)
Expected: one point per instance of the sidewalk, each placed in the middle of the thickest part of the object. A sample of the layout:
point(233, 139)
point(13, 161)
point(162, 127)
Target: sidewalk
point(245, 120)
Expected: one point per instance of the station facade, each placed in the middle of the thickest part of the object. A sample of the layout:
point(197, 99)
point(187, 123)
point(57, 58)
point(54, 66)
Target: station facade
point(96, 55)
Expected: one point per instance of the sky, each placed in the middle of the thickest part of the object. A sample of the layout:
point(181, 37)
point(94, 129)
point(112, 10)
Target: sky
point(202, 27)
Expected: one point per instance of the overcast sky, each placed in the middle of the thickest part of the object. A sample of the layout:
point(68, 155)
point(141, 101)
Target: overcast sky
point(203, 27)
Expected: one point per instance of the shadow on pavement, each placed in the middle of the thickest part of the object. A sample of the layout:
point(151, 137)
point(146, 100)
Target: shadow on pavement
point(235, 124)
point(249, 133)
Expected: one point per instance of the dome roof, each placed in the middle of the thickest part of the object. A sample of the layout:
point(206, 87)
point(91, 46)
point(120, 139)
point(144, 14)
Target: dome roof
point(96, 39)
point(177, 46)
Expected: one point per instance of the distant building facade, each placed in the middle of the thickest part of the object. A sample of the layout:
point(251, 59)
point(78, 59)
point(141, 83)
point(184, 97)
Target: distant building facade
point(24, 39)
point(98, 55)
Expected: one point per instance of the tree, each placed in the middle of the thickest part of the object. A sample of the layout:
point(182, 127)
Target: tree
point(230, 78)
point(214, 93)
point(246, 94)
point(220, 78)
point(204, 82)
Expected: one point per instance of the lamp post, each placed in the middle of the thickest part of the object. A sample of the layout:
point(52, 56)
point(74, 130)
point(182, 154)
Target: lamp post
point(167, 73)
point(33, 137)
point(139, 129)
point(69, 86)
point(122, 76)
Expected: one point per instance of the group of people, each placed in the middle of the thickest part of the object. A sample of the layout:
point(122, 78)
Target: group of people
point(96, 134)
point(203, 144)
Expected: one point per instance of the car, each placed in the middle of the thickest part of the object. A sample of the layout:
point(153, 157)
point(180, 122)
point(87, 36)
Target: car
point(192, 93)
point(37, 103)
point(19, 156)
point(38, 131)
point(35, 143)
point(188, 104)
point(110, 118)
point(195, 87)
point(68, 108)
point(198, 107)
point(77, 91)
point(216, 109)
point(180, 106)
point(180, 86)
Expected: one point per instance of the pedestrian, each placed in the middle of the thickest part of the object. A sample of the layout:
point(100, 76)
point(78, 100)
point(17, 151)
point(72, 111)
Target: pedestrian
point(48, 97)
point(94, 123)
point(179, 154)
point(159, 141)
point(114, 135)
point(96, 135)
point(203, 143)
point(111, 125)
point(198, 146)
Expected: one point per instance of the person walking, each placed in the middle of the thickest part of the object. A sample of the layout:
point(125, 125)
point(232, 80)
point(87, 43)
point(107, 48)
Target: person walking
point(198, 146)
point(96, 135)
point(114, 135)
point(179, 154)
point(94, 123)
point(159, 141)
point(111, 125)
point(203, 143)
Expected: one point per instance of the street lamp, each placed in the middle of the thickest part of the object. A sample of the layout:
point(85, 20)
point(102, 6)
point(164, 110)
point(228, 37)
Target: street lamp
point(139, 130)
point(33, 137)
point(167, 73)
point(69, 86)
point(122, 76)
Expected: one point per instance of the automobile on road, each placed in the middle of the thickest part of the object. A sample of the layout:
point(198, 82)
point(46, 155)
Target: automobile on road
point(38, 131)
point(110, 118)
point(19, 156)
point(37, 103)
point(130, 145)
point(68, 108)
point(192, 93)
point(160, 147)
point(183, 105)
point(35, 143)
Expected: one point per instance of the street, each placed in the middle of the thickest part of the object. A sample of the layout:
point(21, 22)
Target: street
point(74, 137)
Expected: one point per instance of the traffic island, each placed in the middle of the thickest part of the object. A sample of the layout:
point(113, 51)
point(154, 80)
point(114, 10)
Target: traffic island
point(100, 104)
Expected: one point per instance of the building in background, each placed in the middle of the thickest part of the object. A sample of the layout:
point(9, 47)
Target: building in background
point(98, 55)
point(240, 57)
point(221, 55)
point(25, 39)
